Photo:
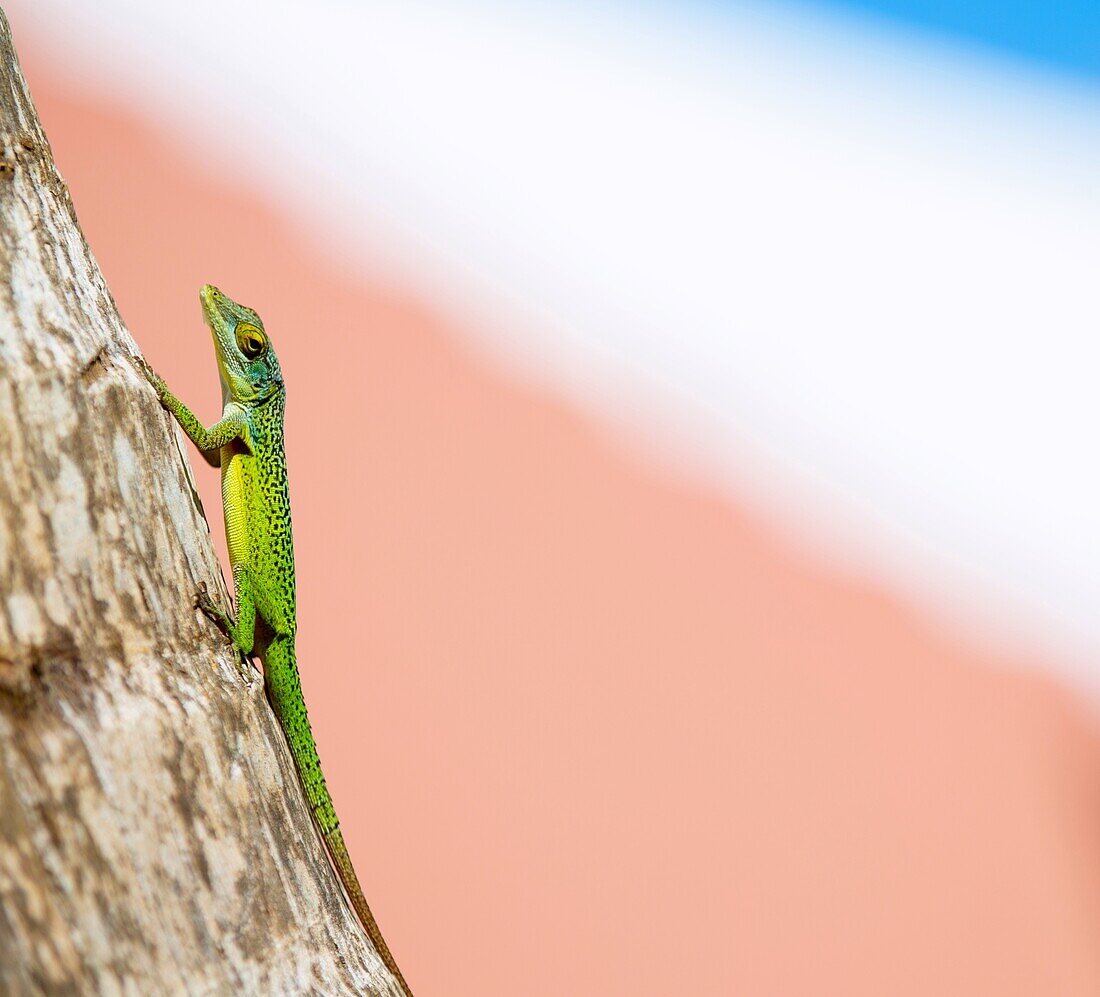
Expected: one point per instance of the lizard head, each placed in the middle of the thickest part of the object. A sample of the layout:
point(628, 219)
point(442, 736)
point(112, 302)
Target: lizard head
point(246, 361)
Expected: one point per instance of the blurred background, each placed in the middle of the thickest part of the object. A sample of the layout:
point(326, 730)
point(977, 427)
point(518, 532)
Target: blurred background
point(692, 420)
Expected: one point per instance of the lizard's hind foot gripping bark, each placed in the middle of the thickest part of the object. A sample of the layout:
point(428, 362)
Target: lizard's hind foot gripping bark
point(224, 623)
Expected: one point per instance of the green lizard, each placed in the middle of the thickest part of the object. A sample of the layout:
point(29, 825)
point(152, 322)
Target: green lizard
point(247, 443)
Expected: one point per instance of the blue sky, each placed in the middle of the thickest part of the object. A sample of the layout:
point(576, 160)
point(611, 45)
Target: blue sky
point(1060, 34)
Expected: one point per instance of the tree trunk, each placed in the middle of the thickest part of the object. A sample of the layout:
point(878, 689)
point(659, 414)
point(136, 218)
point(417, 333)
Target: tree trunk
point(153, 835)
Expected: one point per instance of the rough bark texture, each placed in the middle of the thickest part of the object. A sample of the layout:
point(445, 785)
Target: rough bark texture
point(153, 836)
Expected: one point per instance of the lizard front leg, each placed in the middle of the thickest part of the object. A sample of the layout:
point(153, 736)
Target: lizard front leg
point(231, 426)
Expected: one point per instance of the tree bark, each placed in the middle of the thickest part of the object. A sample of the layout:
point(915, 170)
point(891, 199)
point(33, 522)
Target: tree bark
point(153, 835)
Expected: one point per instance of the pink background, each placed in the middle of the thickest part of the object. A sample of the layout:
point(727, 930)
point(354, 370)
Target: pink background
point(634, 740)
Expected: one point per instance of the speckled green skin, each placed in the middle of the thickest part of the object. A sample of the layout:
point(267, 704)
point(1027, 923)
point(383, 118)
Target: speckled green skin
point(247, 443)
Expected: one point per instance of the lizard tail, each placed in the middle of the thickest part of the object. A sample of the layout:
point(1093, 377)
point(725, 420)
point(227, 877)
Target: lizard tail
point(342, 861)
point(284, 689)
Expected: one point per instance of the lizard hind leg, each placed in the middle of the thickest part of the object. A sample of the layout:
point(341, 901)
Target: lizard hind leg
point(242, 631)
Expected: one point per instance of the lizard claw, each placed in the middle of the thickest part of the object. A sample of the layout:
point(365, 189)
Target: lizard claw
point(245, 669)
point(141, 366)
point(150, 375)
point(206, 604)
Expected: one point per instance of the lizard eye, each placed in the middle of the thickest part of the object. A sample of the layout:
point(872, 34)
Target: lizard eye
point(250, 340)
